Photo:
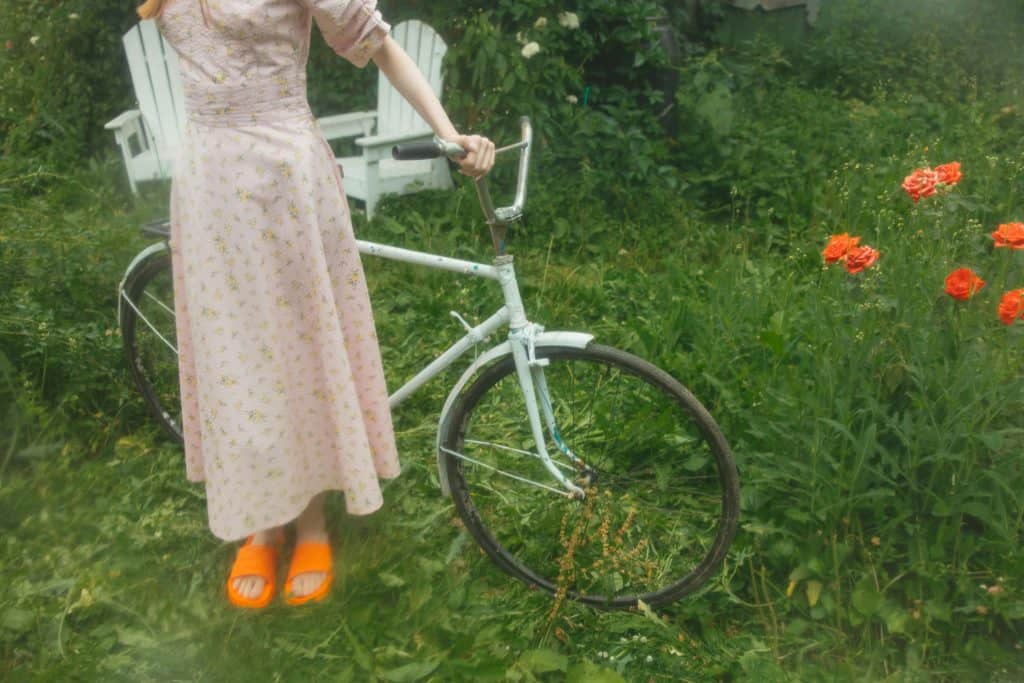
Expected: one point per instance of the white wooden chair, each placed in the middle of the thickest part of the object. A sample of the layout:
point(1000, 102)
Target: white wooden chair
point(374, 173)
point(149, 136)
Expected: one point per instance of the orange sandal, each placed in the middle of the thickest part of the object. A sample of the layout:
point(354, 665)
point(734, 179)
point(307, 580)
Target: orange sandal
point(310, 557)
point(254, 560)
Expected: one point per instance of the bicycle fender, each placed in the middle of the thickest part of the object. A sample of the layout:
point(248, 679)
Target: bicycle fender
point(577, 340)
point(139, 258)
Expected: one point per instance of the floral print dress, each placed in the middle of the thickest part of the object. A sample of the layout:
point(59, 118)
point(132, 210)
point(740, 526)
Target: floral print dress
point(282, 390)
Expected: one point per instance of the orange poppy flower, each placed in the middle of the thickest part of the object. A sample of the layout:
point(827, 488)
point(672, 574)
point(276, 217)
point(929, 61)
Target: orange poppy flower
point(949, 174)
point(838, 246)
point(1010, 235)
point(920, 183)
point(1011, 306)
point(859, 258)
point(963, 283)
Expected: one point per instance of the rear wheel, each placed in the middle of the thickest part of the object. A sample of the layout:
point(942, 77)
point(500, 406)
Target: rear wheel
point(662, 497)
point(148, 332)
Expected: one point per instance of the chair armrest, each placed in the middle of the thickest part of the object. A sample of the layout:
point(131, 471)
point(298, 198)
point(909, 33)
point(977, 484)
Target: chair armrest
point(347, 125)
point(123, 119)
point(376, 147)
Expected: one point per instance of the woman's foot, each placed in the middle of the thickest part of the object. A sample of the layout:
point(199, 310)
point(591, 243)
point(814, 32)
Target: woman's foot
point(254, 569)
point(310, 530)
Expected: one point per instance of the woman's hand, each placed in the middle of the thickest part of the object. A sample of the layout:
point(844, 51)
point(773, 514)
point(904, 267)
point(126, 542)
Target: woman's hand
point(403, 73)
point(480, 154)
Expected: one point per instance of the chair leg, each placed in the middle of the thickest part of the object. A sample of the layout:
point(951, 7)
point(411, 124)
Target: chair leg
point(123, 141)
point(372, 188)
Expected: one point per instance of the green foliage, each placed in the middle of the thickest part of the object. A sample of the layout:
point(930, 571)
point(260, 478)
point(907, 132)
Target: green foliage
point(594, 89)
point(62, 75)
point(875, 420)
point(945, 51)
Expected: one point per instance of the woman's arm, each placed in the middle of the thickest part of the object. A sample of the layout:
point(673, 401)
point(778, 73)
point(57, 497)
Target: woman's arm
point(403, 73)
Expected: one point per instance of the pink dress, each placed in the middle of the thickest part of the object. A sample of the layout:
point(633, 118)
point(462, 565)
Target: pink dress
point(282, 390)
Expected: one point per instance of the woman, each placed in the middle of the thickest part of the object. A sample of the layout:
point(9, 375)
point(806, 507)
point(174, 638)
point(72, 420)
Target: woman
point(283, 395)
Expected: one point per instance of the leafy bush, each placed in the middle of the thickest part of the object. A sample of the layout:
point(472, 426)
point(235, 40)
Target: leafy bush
point(62, 75)
point(591, 88)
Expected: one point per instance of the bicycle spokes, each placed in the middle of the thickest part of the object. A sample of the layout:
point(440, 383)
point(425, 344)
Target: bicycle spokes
point(659, 491)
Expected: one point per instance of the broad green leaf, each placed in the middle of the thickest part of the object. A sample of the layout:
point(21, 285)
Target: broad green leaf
point(430, 566)
point(813, 592)
point(38, 451)
point(134, 637)
point(696, 462)
point(390, 580)
point(896, 619)
point(588, 672)
point(543, 661)
point(716, 109)
point(937, 610)
point(408, 673)
point(866, 598)
point(16, 619)
point(800, 573)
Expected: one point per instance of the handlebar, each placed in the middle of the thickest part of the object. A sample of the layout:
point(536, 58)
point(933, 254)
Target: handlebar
point(499, 217)
point(412, 151)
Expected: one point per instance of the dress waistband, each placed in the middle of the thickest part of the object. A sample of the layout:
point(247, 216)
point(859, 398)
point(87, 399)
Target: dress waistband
point(265, 100)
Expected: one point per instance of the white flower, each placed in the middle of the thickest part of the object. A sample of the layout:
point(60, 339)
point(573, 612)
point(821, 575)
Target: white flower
point(541, 23)
point(521, 38)
point(649, 659)
point(571, 99)
point(530, 49)
point(569, 20)
point(73, 16)
point(34, 39)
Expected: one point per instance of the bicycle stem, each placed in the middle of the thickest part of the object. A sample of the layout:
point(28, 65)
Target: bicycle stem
point(498, 219)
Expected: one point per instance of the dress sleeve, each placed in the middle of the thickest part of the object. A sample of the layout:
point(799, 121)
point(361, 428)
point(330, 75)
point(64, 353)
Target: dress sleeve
point(353, 28)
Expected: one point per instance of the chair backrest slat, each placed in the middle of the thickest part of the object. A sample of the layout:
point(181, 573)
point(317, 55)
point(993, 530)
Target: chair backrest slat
point(177, 89)
point(426, 48)
point(157, 79)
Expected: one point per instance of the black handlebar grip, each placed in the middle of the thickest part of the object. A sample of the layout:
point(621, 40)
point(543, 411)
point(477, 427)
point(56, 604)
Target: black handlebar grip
point(416, 150)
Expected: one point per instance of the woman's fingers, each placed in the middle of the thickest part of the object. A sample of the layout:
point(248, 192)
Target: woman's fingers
point(480, 155)
point(490, 156)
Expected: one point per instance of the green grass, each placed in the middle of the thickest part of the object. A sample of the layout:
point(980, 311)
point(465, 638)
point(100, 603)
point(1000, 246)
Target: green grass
point(875, 421)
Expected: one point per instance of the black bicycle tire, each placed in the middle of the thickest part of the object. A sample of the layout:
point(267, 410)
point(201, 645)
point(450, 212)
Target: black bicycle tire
point(135, 284)
point(453, 429)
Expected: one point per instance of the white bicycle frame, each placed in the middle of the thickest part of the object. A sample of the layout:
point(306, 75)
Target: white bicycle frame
point(524, 337)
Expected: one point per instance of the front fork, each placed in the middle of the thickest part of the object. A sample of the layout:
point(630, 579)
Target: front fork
point(530, 372)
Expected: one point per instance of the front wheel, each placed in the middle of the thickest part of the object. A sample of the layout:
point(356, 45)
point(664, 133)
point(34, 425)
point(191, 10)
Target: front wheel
point(662, 490)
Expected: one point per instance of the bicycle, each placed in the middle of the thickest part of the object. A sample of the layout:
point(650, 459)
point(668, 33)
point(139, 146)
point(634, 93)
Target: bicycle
point(615, 486)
